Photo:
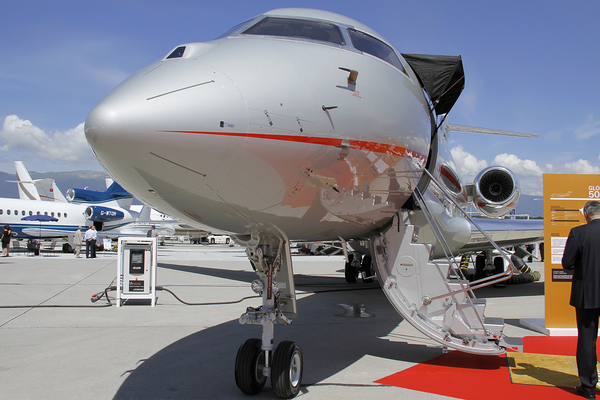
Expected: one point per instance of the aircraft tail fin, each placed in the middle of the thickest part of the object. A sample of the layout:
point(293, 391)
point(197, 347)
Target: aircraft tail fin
point(27, 188)
point(36, 189)
point(123, 197)
point(144, 213)
point(48, 191)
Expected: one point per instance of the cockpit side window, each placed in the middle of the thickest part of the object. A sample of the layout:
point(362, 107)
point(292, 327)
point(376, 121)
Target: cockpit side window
point(177, 53)
point(375, 47)
point(297, 28)
point(231, 30)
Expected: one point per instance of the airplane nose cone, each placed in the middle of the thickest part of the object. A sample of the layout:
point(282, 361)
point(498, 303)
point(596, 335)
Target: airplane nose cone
point(164, 96)
point(151, 117)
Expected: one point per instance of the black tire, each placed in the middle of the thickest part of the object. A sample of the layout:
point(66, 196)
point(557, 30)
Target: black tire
point(248, 367)
point(350, 272)
point(498, 269)
point(66, 248)
point(286, 373)
point(480, 272)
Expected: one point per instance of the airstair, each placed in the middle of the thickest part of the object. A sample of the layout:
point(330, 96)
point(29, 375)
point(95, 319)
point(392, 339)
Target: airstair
point(434, 296)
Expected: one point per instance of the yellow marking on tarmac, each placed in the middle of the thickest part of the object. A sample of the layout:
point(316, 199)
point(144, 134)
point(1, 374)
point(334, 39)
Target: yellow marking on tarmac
point(543, 369)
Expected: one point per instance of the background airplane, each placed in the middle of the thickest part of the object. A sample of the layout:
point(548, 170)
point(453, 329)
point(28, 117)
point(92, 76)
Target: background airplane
point(307, 125)
point(38, 189)
point(85, 210)
point(109, 211)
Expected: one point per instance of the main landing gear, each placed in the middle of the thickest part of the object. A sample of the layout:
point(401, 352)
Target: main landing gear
point(355, 266)
point(257, 359)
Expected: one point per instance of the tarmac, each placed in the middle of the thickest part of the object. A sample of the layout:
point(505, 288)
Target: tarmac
point(57, 344)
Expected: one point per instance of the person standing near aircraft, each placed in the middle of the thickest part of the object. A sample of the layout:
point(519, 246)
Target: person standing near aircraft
point(152, 232)
point(77, 240)
point(582, 255)
point(90, 242)
point(6, 236)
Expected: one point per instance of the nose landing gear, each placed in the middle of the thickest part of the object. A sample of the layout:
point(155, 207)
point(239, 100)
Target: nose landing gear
point(256, 360)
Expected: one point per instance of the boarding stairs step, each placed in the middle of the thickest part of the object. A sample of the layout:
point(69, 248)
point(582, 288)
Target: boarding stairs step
point(424, 293)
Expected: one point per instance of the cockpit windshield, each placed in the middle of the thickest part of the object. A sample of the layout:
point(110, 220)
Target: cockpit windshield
point(297, 28)
point(375, 47)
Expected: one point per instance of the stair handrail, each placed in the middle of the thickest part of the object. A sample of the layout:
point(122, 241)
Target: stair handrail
point(487, 281)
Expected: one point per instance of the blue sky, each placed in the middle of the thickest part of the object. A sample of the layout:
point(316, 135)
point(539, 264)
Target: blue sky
point(530, 66)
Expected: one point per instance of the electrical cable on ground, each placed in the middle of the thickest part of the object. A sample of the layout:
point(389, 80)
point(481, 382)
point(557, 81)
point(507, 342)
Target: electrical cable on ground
point(104, 293)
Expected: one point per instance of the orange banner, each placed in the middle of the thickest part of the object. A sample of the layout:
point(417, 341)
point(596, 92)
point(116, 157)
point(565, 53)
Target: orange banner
point(564, 198)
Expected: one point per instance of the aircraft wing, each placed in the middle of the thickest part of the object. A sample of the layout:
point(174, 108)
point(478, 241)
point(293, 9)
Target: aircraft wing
point(46, 232)
point(505, 232)
point(470, 129)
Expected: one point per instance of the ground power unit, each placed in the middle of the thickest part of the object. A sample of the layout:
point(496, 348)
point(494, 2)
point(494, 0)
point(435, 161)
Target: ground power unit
point(136, 270)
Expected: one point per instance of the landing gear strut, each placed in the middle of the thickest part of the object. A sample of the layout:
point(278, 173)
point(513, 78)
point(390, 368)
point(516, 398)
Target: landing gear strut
point(257, 359)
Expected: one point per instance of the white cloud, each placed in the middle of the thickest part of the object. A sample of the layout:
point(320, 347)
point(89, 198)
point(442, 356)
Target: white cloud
point(527, 171)
point(69, 146)
point(468, 165)
point(518, 166)
point(580, 167)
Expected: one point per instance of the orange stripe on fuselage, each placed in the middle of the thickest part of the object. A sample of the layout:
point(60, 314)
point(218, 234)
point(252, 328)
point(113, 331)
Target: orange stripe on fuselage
point(383, 148)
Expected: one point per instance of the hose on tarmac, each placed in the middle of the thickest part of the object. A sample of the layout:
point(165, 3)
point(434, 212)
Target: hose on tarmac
point(526, 274)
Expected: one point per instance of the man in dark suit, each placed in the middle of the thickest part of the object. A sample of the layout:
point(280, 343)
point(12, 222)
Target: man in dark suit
point(582, 255)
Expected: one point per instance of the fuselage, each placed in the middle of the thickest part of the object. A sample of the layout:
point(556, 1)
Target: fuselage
point(69, 217)
point(310, 124)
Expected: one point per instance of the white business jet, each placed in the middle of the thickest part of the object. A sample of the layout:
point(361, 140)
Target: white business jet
point(64, 219)
point(46, 219)
point(307, 125)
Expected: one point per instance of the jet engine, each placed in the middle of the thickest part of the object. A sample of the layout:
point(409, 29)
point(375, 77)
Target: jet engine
point(495, 191)
point(103, 214)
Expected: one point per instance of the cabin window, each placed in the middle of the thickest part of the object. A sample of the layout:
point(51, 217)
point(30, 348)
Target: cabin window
point(45, 212)
point(375, 47)
point(23, 213)
point(58, 215)
point(65, 215)
point(30, 212)
point(297, 28)
point(7, 212)
point(52, 214)
point(38, 213)
point(16, 212)
point(1, 211)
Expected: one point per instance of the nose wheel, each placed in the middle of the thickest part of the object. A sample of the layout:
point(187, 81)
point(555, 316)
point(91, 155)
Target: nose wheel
point(287, 370)
point(251, 368)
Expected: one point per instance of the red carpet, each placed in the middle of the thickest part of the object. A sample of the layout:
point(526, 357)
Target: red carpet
point(472, 377)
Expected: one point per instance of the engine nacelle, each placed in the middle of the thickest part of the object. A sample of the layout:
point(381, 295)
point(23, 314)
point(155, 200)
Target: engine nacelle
point(496, 191)
point(103, 214)
point(114, 192)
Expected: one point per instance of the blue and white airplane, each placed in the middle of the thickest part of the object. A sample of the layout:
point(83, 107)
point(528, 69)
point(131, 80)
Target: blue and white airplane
point(306, 125)
point(106, 210)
